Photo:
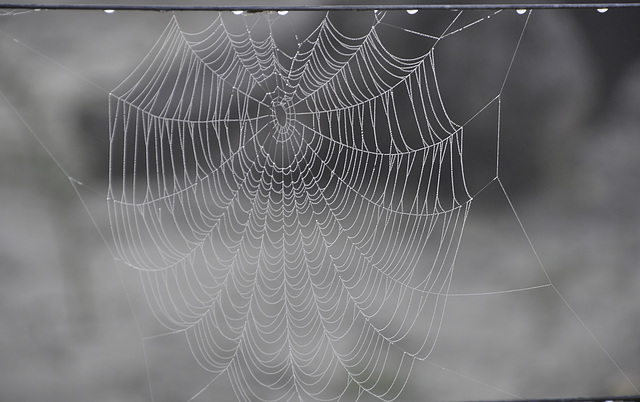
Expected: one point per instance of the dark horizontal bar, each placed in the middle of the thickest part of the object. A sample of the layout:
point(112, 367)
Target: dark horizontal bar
point(313, 7)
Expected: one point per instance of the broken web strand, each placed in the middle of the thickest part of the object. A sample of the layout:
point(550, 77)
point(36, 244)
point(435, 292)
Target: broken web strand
point(533, 249)
point(582, 323)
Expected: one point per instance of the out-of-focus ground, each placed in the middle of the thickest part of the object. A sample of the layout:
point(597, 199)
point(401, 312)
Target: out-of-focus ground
point(569, 162)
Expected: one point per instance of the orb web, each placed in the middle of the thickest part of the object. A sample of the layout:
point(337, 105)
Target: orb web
point(294, 211)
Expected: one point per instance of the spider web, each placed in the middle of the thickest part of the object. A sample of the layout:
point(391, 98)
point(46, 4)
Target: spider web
point(294, 207)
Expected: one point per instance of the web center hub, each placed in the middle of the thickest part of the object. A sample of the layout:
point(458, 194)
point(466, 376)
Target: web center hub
point(281, 112)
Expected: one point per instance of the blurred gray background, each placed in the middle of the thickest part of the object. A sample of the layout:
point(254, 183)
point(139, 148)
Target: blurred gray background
point(569, 162)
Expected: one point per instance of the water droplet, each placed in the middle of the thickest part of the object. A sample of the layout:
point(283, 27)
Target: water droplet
point(521, 11)
point(603, 10)
point(283, 12)
point(412, 11)
point(109, 11)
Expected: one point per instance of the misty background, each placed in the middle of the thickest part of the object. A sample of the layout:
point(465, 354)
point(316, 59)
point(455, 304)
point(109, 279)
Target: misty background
point(569, 162)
